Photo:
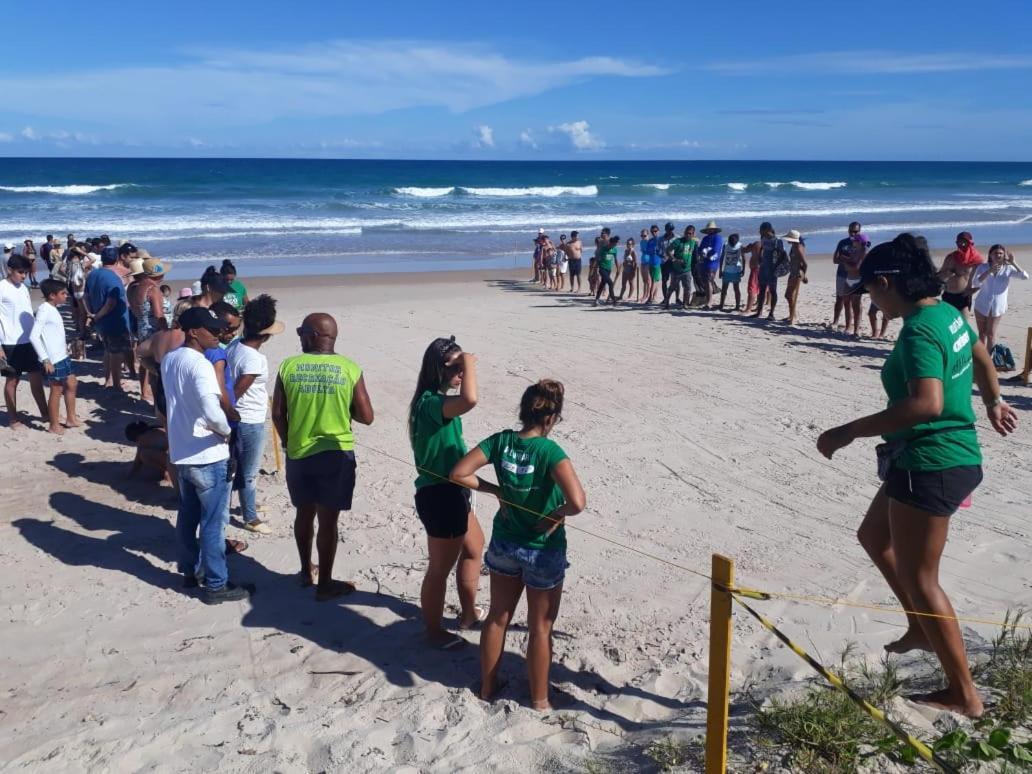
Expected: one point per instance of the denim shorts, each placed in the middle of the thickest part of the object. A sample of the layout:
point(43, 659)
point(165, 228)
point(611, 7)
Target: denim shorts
point(538, 568)
point(62, 370)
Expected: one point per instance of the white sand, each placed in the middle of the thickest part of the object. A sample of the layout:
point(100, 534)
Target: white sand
point(692, 434)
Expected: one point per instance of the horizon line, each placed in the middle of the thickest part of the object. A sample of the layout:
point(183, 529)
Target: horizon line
point(513, 160)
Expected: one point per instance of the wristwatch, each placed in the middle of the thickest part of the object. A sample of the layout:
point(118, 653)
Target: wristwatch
point(991, 404)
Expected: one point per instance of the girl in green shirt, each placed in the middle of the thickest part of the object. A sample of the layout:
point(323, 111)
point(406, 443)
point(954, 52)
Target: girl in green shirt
point(931, 461)
point(537, 489)
point(453, 534)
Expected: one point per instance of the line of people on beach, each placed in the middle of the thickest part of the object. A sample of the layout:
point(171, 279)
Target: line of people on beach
point(210, 404)
point(694, 271)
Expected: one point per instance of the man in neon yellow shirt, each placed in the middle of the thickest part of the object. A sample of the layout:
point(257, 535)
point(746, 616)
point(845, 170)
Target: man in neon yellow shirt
point(317, 395)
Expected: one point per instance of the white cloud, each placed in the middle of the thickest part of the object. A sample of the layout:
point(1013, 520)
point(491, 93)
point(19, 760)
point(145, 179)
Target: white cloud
point(221, 88)
point(870, 63)
point(485, 136)
point(5, 137)
point(29, 133)
point(527, 138)
point(580, 135)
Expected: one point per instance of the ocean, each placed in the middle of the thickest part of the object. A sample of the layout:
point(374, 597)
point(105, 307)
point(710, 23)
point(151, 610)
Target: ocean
point(279, 216)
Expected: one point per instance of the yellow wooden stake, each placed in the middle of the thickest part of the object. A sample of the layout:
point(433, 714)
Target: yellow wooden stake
point(275, 442)
point(1028, 358)
point(718, 696)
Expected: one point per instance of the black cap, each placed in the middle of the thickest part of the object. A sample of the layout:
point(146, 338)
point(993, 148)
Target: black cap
point(882, 260)
point(669, 226)
point(201, 317)
point(127, 248)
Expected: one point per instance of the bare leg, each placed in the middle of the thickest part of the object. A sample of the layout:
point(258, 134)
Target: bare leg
point(11, 401)
point(872, 318)
point(443, 553)
point(505, 595)
point(54, 409)
point(992, 324)
point(38, 394)
point(70, 389)
point(723, 295)
point(542, 610)
point(467, 573)
point(326, 545)
point(838, 310)
point(876, 538)
point(854, 302)
point(918, 538)
point(738, 295)
point(983, 328)
point(304, 533)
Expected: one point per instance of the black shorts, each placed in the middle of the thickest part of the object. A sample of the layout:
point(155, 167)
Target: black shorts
point(960, 301)
point(939, 492)
point(117, 343)
point(444, 509)
point(22, 358)
point(326, 479)
point(575, 264)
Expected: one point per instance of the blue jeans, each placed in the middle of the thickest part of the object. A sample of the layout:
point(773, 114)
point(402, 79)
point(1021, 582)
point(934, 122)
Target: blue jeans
point(204, 507)
point(251, 445)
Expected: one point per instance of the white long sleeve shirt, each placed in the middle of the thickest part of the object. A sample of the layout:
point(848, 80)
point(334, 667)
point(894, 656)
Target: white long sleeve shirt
point(48, 334)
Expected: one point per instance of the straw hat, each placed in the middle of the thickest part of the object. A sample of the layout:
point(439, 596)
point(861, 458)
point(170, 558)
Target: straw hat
point(155, 267)
point(135, 266)
point(272, 330)
point(142, 254)
point(711, 228)
point(793, 236)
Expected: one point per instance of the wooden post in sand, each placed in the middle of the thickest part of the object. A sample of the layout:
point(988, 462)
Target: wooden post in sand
point(718, 695)
point(1028, 358)
point(275, 442)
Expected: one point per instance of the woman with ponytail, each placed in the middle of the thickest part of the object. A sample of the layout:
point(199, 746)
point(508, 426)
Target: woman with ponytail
point(931, 461)
point(237, 293)
point(537, 489)
point(453, 535)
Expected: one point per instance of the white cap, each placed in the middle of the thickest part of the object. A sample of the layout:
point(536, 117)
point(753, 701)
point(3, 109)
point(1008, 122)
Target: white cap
point(541, 231)
point(196, 288)
point(8, 246)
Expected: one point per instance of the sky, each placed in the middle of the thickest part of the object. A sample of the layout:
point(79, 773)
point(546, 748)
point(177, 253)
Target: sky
point(529, 80)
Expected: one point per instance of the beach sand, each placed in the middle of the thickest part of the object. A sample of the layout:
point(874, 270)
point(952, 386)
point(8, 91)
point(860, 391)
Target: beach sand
point(692, 433)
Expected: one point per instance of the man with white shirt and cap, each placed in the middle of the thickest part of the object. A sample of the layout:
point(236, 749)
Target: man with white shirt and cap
point(198, 445)
point(18, 356)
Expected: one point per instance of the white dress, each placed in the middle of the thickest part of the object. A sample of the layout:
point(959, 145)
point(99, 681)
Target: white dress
point(991, 300)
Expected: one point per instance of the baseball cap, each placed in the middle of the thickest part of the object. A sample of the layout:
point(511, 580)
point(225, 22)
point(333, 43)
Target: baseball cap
point(8, 246)
point(200, 317)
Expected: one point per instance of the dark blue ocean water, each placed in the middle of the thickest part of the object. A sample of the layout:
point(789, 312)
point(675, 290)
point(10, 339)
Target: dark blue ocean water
point(314, 216)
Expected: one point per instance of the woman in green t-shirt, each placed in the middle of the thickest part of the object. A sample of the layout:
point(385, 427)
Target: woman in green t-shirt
point(453, 534)
point(931, 461)
point(237, 293)
point(537, 489)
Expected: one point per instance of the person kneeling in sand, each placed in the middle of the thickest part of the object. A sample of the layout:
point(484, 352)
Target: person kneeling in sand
point(318, 394)
point(537, 489)
point(151, 450)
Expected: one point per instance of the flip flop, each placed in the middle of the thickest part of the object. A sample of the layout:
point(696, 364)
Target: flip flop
point(481, 615)
point(338, 588)
point(454, 643)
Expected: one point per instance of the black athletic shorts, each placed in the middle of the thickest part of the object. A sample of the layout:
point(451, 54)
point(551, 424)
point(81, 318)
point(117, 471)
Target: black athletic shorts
point(444, 509)
point(940, 491)
point(326, 479)
point(960, 301)
point(22, 358)
point(575, 265)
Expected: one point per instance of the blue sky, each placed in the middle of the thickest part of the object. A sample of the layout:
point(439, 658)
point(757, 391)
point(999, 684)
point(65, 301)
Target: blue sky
point(530, 80)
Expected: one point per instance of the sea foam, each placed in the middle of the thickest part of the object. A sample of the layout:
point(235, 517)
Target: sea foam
point(817, 186)
point(1025, 182)
point(657, 186)
point(737, 186)
point(64, 190)
point(424, 193)
point(547, 190)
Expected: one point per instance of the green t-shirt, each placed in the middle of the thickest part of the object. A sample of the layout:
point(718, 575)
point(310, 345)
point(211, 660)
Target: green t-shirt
point(935, 343)
point(607, 257)
point(524, 470)
point(682, 249)
point(318, 390)
point(437, 442)
point(236, 295)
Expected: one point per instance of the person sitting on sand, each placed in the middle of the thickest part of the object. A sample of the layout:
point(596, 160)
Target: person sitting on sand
point(198, 441)
point(732, 267)
point(48, 340)
point(931, 461)
point(537, 489)
point(796, 272)
point(453, 535)
point(151, 443)
point(318, 394)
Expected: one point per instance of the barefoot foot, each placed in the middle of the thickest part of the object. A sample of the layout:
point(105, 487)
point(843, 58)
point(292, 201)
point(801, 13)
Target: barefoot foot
point(914, 639)
point(952, 701)
point(56, 429)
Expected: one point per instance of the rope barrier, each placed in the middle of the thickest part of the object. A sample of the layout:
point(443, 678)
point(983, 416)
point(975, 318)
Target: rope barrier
point(920, 747)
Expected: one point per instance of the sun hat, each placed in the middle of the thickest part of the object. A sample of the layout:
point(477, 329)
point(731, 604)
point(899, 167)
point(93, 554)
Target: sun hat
point(201, 317)
point(272, 330)
point(793, 236)
point(711, 228)
point(185, 293)
point(135, 266)
point(142, 254)
point(155, 267)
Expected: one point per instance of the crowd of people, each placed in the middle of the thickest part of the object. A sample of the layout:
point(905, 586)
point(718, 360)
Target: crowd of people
point(693, 271)
point(200, 362)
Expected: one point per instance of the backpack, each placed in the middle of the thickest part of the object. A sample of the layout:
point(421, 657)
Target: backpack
point(1003, 358)
point(782, 265)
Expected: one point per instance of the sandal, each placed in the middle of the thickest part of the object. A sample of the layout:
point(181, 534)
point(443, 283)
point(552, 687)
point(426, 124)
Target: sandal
point(481, 614)
point(454, 643)
point(337, 589)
